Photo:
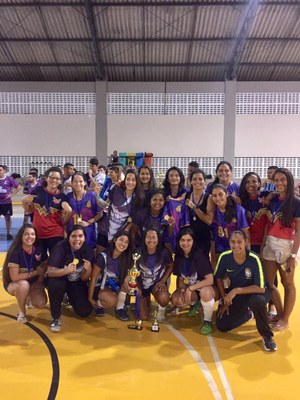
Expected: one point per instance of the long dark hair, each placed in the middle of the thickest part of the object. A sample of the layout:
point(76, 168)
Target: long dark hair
point(144, 252)
point(178, 249)
point(152, 183)
point(166, 183)
point(230, 207)
point(16, 245)
point(139, 194)
point(125, 256)
point(196, 171)
point(288, 204)
point(243, 194)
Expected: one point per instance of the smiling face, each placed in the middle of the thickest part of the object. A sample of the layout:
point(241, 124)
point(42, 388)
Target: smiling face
point(151, 240)
point(224, 174)
point(28, 237)
point(130, 181)
point(121, 243)
point(76, 239)
point(173, 178)
point(237, 244)
point(219, 197)
point(53, 181)
point(2, 172)
point(157, 202)
point(78, 184)
point(198, 181)
point(186, 243)
point(252, 185)
point(280, 182)
point(145, 176)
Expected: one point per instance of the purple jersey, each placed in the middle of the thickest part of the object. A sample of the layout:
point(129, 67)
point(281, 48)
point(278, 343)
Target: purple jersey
point(152, 268)
point(222, 230)
point(6, 185)
point(86, 209)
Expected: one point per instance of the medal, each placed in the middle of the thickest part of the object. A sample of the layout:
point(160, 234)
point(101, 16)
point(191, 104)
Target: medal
point(129, 220)
point(194, 218)
point(186, 280)
point(75, 261)
point(79, 220)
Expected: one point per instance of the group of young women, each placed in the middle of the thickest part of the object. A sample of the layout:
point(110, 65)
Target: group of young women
point(223, 241)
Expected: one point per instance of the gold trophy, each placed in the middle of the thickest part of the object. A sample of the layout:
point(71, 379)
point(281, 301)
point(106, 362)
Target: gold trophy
point(155, 324)
point(133, 272)
point(137, 326)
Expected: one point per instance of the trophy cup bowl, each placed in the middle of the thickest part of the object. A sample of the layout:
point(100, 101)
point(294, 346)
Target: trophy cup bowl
point(133, 272)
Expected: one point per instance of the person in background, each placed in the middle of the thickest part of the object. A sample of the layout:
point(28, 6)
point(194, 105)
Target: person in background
point(223, 176)
point(247, 292)
point(268, 184)
point(68, 172)
point(111, 179)
point(114, 158)
point(23, 271)
point(31, 183)
point(94, 177)
point(8, 188)
point(192, 165)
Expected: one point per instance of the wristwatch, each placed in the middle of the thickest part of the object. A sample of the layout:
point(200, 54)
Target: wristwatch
point(293, 255)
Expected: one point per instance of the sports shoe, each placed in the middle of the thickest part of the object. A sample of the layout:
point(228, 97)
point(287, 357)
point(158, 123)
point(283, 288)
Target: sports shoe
point(21, 318)
point(122, 314)
point(193, 309)
point(206, 328)
point(9, 237)
point(99, 312)
point(55, 325)
point(269, 344)
point(161, 314)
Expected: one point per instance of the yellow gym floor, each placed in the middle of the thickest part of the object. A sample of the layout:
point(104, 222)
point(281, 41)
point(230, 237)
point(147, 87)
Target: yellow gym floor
point(100, 358)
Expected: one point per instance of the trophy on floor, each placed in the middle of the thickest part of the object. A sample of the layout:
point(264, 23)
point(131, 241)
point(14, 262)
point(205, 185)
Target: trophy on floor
point(133, 272)
point(155, 324)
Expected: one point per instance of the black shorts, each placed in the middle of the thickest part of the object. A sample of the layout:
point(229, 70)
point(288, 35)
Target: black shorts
point(6, 209)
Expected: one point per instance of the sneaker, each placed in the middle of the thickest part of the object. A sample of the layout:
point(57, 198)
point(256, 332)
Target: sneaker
point(161, 314)
point(251, 315)
point(21, 318)
point(122, 314)
point(9, 237)
point(65, 301)
point(269, 344)
point(193, 309)
point(55, 325)
point(206, 328)
point(99, 312)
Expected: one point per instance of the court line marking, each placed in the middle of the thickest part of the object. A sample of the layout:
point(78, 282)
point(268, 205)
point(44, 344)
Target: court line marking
point(201, 364)
point(220, 369)
point(54, 359)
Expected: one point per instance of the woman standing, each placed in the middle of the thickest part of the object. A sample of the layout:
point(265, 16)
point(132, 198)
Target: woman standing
point(50, 208)
point(69, 269)
point(247, 290)
point(228, 217)
point(194, 278)
point(23, 271)
point(223, 176)
point(86, 210)
point(201, 210)
point(156, 266)
point(124, 200)
point(109, 282)
point(282, 244)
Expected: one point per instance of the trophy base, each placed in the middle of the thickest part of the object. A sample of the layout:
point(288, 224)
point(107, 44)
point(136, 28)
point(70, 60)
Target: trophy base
point(136, 327)
point(154, 328)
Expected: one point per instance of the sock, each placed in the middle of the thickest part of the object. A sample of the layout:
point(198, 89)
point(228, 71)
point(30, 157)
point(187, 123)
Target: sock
point(208, 308)
point(99, 304)
point(121, 300)
point(161, 309)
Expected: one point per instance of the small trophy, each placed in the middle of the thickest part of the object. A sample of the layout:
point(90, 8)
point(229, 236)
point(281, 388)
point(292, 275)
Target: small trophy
point(133, 272)
point(137, 326)
point(155, 324)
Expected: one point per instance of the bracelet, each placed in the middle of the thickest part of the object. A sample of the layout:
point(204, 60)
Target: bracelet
point(194, 208)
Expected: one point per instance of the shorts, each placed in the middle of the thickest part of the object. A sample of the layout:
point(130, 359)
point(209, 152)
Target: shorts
point(277, 249)
point(6, 209)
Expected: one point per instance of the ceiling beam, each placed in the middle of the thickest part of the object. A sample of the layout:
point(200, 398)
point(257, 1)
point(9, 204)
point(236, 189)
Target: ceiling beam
point(150, 40)
point(245, 24)
point(149, 65)
point(100, 72)
point(162, 3)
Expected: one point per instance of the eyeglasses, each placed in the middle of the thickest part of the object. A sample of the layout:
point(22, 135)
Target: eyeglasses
point(54, 178)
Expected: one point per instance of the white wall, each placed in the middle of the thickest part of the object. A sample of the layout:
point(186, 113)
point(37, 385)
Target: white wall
point(267, 136)
point(47, 134)
point(167, 136)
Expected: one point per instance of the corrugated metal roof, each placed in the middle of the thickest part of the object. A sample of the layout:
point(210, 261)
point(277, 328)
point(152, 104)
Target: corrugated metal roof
point(161, 40)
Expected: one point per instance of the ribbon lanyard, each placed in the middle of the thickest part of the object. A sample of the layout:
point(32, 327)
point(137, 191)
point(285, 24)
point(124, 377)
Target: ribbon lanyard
point(253, 208)
point(199, 201)
point(75, 260)
point(275, 209)
point(115, 265)
point(30, 262)
point(78, 207)
point(128, 205)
